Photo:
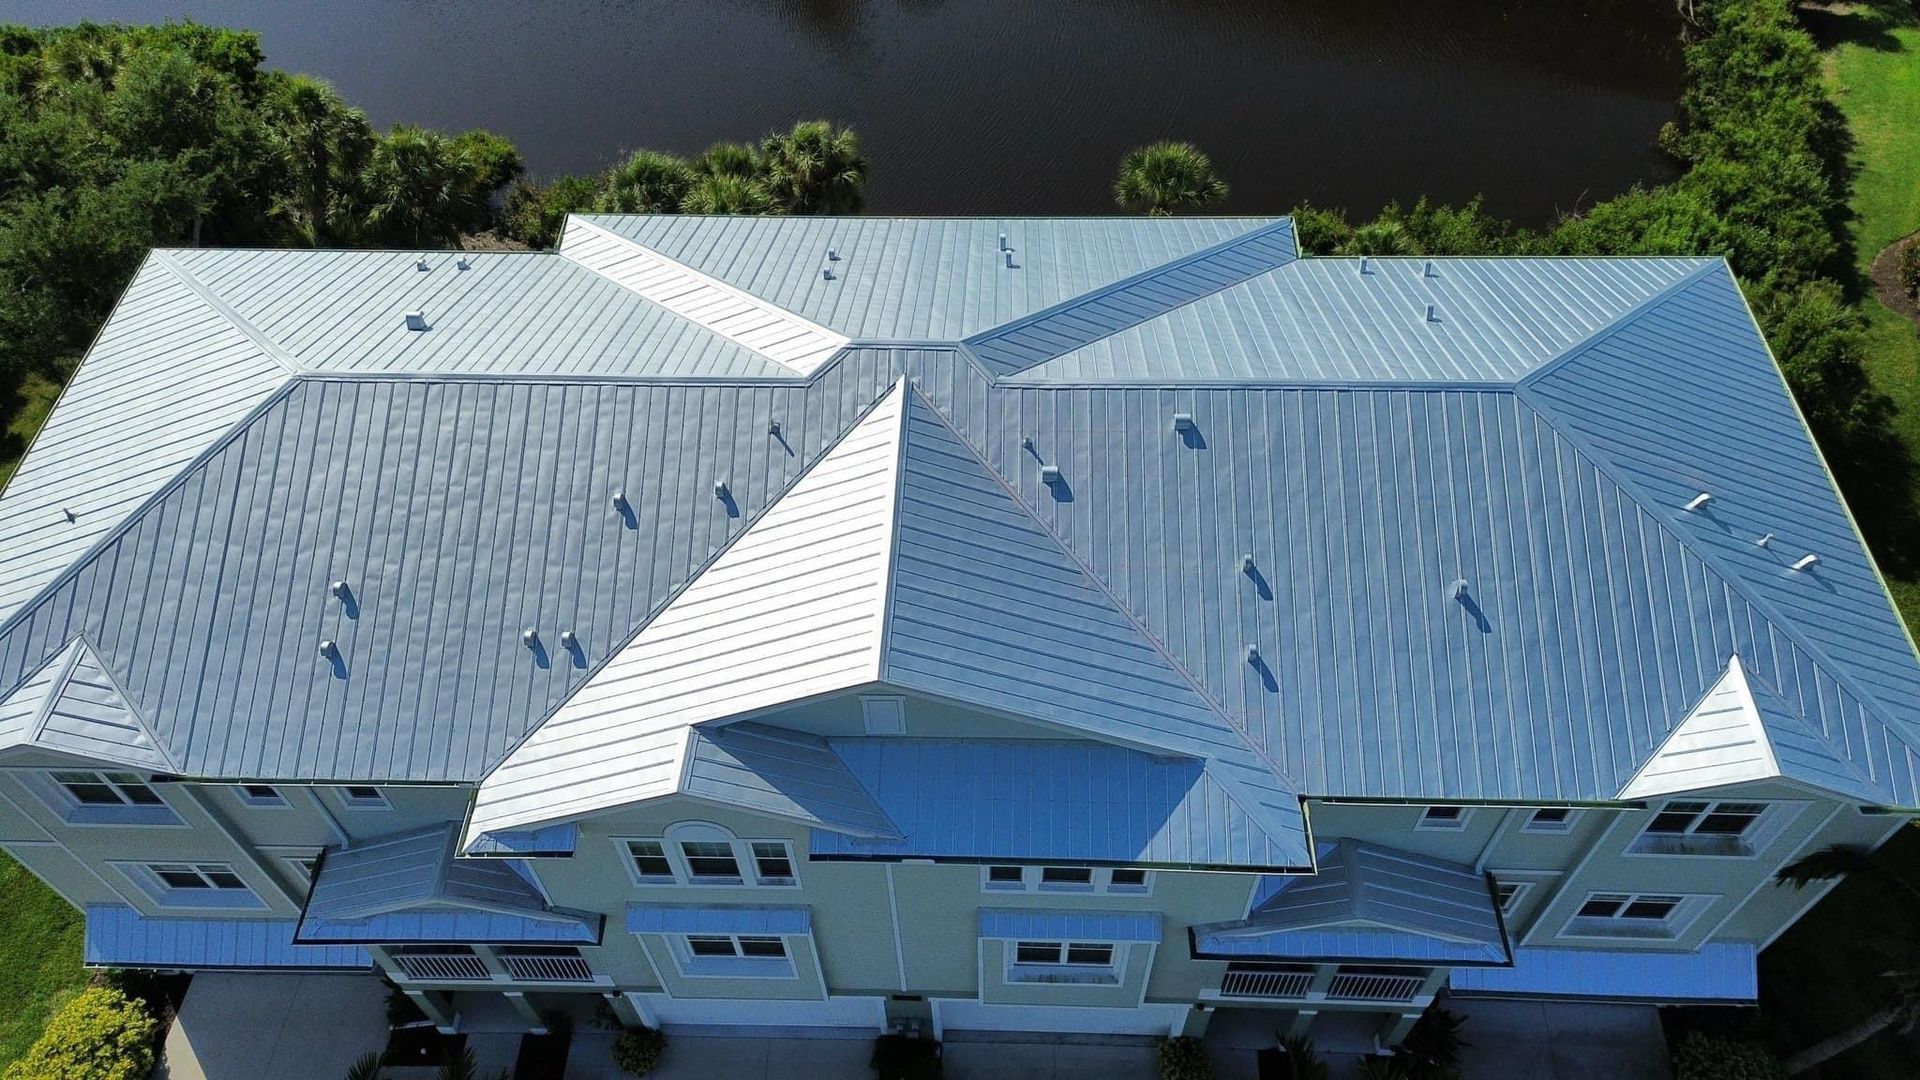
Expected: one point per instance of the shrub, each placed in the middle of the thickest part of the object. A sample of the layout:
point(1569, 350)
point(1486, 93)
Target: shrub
point(1184, 1058)
point(904, 1057)
point(1712, 1057)
point(639, 1050)
point(99, 1035)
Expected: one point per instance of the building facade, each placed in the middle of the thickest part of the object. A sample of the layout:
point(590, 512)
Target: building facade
point(1068, 625)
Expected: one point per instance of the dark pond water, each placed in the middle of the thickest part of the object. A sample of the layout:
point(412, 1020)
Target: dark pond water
point(1023, 106)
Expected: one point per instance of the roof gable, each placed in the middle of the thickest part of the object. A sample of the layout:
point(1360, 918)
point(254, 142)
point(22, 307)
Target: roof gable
point(72, 709)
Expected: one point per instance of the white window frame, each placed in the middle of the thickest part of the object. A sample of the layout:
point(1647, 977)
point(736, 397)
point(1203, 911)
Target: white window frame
point(1514, 899)
point(147, 876)
point(1673, 926)
point(745, 858)
point(1452, 824)
point(739, 965)
point(1062, 970)
point(1775, 818)
point(1100, 883)
point(1551, 828)
point(377, 801)
point(69, 808)
point(276, 800)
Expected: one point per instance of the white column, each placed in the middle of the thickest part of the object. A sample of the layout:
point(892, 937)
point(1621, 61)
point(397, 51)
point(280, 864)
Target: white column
point(527, 1012)
point(437, 1007)
point(1394, 1030)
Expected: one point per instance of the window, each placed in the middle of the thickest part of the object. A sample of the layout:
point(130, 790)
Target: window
point(307, 865)
point(1067, 878)
point(710, 861)
point(1123, 880)
point(650, 860)
point(1443, 817)
point(1638, 915)
point(1062, 962)
point(1551, 819)
point(1699, 827)
point(362, 797)
point(107, 789)
point(261, 795)
point(184, 884)
point(733, 956)
point(772, 862)
point(1509, 894)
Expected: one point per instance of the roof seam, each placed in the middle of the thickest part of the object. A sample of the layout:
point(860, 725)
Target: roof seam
point(207, 296)
point(1122, 609)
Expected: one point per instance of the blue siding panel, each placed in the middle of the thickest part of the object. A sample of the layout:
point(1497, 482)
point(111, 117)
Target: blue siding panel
point(1719, 971)
point(462, 927)
point(119, 936)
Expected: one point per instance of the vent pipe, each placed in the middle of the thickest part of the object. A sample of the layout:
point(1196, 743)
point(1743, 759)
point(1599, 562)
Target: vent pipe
point(1807, 562)
point(1003, 243)
point(328, 650)
point(720, 489)
point(1049, 474)
point(1698, 501)
point(1009, 259)
point(1366, 266)
point(1182, 422)
point(1433, 314)
point(530, 638)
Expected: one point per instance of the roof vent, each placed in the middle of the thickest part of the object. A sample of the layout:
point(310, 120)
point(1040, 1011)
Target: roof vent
point(1253, 654)
point(1003, 243)
point(1026, 442)
point(1433, 314)
point(1457, 590)
point(462, 264)
point(530, 638)
point(423, 264)
point(1049, 474)
point(1807, 562)
point(720, 490)
point(1765, 541)
point(826, 273)
point(883, 714)
point(1246, 564)
point(833, 254)
point(620, 502)
point(1009, 259)
point(328, 650)
point(338, 589)
point(1428, 272)
point(1366, 266)
point(1698, 501)
point(67, 512)
point(567, 640)
point(1183, 421)
point(773, 428)
point(416, 320)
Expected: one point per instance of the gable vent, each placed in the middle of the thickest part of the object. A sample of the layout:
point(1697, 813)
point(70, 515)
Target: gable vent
point(883, 714)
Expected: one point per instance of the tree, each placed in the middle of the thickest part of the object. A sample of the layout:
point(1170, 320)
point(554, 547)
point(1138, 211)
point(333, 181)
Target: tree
point(727, 159)
point(1901, 1008)
point(1167, 177)
point(417, 190)
point(533, 214)
point(649, 182)
point(816, 168)
point(492, 163)
point(726, 194)
point(323, 143)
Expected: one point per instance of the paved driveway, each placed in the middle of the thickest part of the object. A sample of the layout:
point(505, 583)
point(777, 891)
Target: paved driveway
point(245, 1026)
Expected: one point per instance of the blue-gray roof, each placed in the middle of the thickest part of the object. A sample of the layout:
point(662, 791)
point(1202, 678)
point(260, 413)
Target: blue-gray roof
point(1074, 925)
point(120, 937)
point(1718, 972)
point(1386, 555)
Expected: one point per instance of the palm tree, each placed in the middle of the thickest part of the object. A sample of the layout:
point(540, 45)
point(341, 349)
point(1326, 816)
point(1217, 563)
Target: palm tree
point(1901, 1008)
point(1166, 177)
point(727, 194)
point(365, 1067)
point(417, 189)
point(727, 159)
point(816, 168)
point(323, 143)
point(649, 182)
point(1379, 238)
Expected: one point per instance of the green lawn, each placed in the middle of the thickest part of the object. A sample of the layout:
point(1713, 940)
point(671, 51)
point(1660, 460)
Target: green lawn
point(39, 957)
point(1873, 73)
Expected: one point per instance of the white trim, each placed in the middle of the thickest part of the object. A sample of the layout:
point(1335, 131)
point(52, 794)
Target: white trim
point(782, 968)
point(673, 836)
point(1494, 837)
point(1099, 881)
point(1573, 874)
point(1566, 826)
point(277, 801)
point(899, 950)
point(1775, 818)
point(353, 802)
point(172, 897)
point(326, 815)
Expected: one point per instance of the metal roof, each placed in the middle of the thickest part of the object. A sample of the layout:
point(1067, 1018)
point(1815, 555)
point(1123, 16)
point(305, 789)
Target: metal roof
point(1716, 972)
point(1369, 902)
point(785, 774)
point(1074, 925)
point(718, 919)
point(1466, 573)
point(72, 707)
point(1034, 799)
point(120, 937)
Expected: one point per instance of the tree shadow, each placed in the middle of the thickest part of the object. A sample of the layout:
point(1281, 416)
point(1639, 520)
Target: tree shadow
point(1869, 24)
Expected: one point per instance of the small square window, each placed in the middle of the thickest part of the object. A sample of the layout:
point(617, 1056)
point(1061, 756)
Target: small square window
point(1729, 819)
point(1650, 907)
point(1066, 877)
point(1006, 876)
point(364, 797)
point(1602, 907)
point(261, 795)
point(1127, 880)
point(1550, 819)
point(763, 947)
point(1508, 894)
point(650, 860)
point(1443, 817)
point(179, 877)
point(1037, 952)
point(772, 863)
point(709, 860)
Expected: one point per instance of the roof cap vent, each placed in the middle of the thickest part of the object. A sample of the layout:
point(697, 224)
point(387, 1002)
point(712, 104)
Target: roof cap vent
point(1049, 474)
point(1183, 421)
point(1457, 590)
point(1009, 258)
point(833, 254)
point(1428, 272)
point(567, 640)
point(620, 501)
point(826, 273)
point(416, 319)
point(1003, 243)
point(530, 637)
point(338, 588)
point(1765, 541)
point(1253, 654)
point(1698, 501)
point(328, 650)
point(1807, 562)
point(462, 264)
point(1433, 313)
point(1246, 564)
point(1366, 265)
point(423, 264)
point(720, 490)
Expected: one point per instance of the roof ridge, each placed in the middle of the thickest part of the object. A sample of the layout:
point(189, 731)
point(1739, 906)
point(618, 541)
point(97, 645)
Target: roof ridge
point(1669, 524)
point(267, 345)
point(1619, 322)
point(1124, 611)
point(1279, 225)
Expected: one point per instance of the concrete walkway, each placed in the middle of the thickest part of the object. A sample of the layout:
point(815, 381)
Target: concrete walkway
point(241, 1026)
point(1562, 1040)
